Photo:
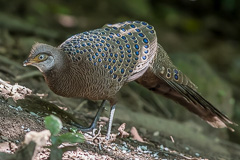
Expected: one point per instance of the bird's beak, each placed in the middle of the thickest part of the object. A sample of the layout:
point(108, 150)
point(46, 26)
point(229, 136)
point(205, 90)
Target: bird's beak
point(28, 62)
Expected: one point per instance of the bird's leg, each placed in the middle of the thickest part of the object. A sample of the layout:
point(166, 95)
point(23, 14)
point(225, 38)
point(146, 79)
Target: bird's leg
point(94, 123)
point(97, 116)
point(110, 121)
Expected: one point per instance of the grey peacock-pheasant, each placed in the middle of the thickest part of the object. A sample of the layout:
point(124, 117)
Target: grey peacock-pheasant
point(96, 64)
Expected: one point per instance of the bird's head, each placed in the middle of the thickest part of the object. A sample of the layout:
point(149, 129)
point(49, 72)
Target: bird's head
point(43, 57)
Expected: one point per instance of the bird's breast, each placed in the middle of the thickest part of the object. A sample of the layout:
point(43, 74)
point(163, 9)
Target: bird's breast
point(83, 82)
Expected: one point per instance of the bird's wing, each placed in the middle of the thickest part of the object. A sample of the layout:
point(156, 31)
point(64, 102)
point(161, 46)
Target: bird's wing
point(138, 42)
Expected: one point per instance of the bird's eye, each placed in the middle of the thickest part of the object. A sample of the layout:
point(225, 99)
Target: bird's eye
point(42, 57)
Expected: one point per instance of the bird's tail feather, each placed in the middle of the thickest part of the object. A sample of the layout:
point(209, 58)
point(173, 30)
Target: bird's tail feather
point(194, 102)
point(164, 78)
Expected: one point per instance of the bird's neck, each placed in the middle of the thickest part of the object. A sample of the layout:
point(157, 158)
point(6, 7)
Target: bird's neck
point(56, 76)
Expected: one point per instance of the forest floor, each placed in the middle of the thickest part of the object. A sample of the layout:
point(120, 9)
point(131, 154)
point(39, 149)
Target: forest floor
point(150, 137)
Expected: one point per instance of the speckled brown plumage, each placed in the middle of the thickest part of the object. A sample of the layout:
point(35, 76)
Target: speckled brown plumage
point(96, 64)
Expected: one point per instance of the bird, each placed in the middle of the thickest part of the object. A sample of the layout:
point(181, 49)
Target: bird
point(96, 64)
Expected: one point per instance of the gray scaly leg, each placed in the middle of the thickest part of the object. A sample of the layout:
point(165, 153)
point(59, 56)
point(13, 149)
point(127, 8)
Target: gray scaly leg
point(110, 121)
point(94, 123)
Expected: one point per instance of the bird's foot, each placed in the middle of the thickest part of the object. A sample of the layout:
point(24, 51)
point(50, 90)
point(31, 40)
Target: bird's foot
point(94, 123)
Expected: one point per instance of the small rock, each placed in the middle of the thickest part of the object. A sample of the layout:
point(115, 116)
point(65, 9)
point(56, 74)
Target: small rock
point(155, 154)
point(125, 144)
point(156, 133)
point(124, 148)
point(197, 154)
point(28, 130)
point(144, 148)
point(34, 114)
point(161, 147)
point(19, 108)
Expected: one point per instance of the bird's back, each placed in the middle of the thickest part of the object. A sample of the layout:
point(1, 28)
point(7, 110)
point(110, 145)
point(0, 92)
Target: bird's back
point(122, 50)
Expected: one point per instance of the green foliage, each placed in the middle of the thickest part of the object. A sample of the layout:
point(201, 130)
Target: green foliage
point(54, 125)
point(228, 5)
point(74, 130)
point(71, 138)
point(142, 9)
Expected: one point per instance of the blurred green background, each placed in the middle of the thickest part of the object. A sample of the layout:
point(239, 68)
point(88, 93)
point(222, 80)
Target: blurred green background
point(201, 36)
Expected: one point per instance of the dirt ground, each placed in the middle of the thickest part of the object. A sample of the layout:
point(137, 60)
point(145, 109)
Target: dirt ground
point(161, 138)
